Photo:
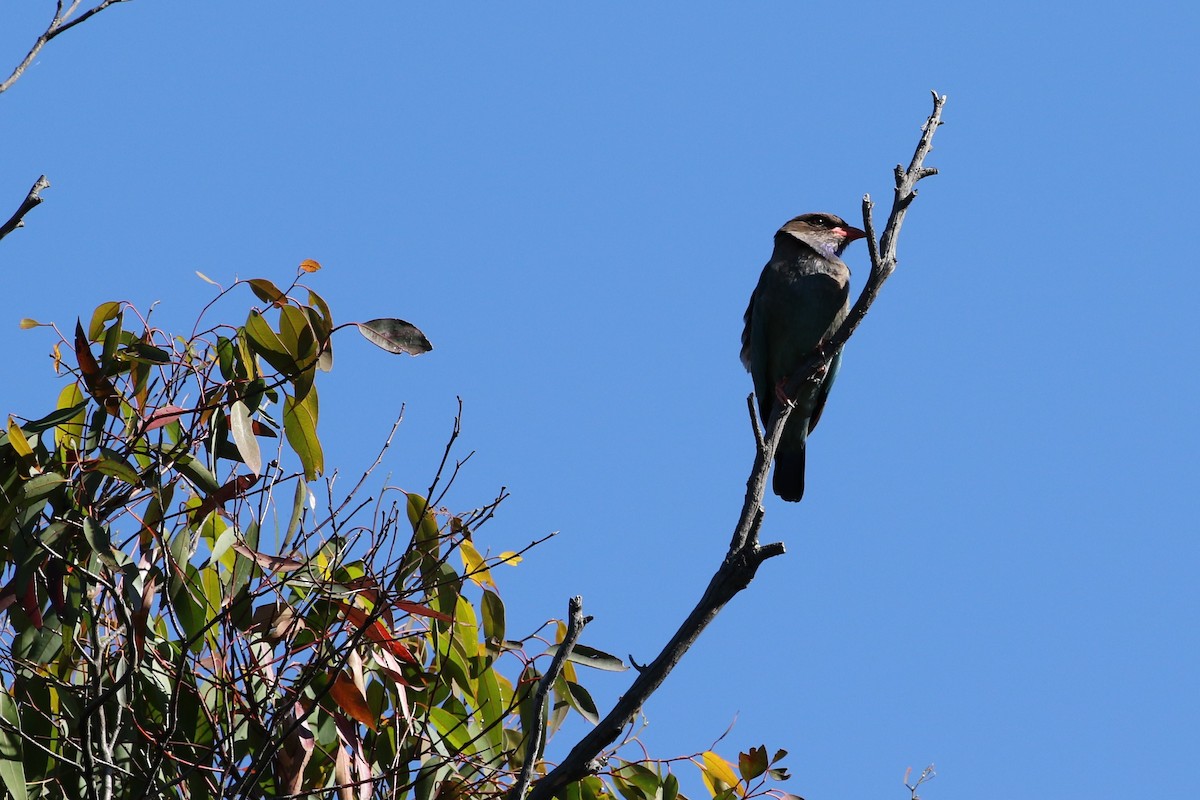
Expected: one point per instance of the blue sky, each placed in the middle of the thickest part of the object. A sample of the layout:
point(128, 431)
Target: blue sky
point(994, 568)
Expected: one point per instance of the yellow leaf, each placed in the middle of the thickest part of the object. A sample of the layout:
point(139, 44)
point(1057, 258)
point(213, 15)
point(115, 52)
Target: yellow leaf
point(720, 771)
point(16, 438)
point(476, 567)
point(27, 323)
point(510, 558)
point(308, 265)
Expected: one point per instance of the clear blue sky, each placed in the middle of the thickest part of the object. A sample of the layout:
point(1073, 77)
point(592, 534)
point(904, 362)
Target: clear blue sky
point(995, 566)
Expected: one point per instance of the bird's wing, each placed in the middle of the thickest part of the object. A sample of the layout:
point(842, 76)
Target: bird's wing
point(835, 364)
point(748, 318)
point(756, 354)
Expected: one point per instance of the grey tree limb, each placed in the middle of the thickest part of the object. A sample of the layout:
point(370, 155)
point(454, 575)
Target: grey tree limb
point(64, 20)
point(745, 553)
point(31, 201)
point(537, 736)
point(883, 254)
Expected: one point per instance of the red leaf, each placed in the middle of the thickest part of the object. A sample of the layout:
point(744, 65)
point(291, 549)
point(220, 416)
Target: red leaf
point(376, 632)
point(163, 416)
point(423, 611)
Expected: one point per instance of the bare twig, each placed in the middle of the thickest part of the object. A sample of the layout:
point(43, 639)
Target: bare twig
point(745, 554)
point(61, 23)
point(927, 775)
point(31, 201)
point(883, 256)
point(537, 737)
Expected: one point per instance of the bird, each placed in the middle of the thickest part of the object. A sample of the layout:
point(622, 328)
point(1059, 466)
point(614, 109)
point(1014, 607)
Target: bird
point(801, 299)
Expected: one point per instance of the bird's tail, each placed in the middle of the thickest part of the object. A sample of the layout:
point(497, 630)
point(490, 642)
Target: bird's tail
point(788, 482)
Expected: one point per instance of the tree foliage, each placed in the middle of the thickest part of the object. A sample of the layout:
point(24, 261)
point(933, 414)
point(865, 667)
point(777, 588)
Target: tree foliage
point(190, 610)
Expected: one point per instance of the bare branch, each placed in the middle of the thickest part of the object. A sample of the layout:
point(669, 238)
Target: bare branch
point(883, 255)
point(745, 554)
point(31, 201)
point(537, 736)
point(61, 23)
point(927, 775)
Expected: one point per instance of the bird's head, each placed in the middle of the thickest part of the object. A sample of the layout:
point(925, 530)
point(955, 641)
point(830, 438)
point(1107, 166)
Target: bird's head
point(825, 233)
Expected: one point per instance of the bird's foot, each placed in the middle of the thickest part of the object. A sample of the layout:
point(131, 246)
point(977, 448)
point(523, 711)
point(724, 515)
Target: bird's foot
point(781, 393)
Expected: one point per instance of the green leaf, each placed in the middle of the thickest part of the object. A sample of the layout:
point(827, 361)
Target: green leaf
point(492, 609)
point(225, 355)
point(670, 787)
point(418, 511)
point(300, 427)
point(221, 546)
point(316, 301)
point(753, 763)
point(582, 702)
point(453, 729)
point(146, 353)
point(97, 536)
point(103, 313)
point(267, 344)
point(117, 469)
point(591, 657)
point(241, 426)
point(265, 290)
point(643, 777)
point(526, 689)
point(42, 486)
point(323, 330)
point(68, 431)
point(299, 501)
point(190, 467)
point(12, 762)
point(395, 336)
point(492, 707)
point(60, 415)
point(298, 336)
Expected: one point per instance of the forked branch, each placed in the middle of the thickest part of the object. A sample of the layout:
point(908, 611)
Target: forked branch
point(745, 553)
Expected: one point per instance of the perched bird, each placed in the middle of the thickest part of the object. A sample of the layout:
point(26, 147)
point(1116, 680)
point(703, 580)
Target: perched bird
point(801, 298)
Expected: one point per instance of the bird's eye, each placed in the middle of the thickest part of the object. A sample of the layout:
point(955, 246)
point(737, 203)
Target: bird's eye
point(822, 221)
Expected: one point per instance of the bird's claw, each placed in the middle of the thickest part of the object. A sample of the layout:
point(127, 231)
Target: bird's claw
point(781, 394)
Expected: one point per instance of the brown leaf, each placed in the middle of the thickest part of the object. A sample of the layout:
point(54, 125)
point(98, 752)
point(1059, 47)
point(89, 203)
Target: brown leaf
point(395, 336)
point(350, 700)
point(98, 386)
point(293, 756)
point(234, 488)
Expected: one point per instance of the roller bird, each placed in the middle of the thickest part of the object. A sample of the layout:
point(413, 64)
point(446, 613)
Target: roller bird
point(801, 299)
